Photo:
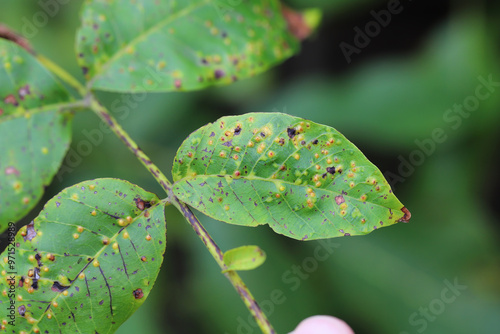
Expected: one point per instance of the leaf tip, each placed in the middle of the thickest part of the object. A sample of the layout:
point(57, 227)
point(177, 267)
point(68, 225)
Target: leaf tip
point(407, 216)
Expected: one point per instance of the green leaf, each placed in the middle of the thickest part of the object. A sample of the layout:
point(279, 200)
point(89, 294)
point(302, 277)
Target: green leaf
point(148, 45)
point(244, 258)
point(87, 262)
point(34, 133)
point(305, 180)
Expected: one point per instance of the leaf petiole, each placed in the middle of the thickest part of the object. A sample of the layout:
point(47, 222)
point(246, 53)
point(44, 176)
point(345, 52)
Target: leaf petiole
point(62, 74)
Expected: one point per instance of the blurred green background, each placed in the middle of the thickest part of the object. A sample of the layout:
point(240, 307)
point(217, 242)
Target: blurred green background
point(392, 95)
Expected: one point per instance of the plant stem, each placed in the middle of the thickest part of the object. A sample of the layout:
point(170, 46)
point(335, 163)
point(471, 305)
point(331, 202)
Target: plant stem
point(232, 276)
point(62, 74)
point(202, 233)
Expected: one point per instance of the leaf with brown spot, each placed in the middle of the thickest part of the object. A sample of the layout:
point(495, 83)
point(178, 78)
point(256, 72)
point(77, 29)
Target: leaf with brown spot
point(83, 273)
point(34, 133)
point(305, 180)
point(179, 45)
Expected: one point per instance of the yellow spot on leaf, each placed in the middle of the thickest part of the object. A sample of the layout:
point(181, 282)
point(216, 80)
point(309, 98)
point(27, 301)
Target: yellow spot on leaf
point(130, 50)
point(161, 64)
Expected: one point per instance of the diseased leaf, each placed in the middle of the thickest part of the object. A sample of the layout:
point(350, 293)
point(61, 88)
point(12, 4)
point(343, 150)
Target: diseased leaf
point(244, 258)
point(305, 180)
point(87, 262)
point(34, 133)
point(148, 45)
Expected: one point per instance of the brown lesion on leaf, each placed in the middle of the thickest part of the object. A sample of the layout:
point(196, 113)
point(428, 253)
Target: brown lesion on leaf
point(141, 204)
point(339, 199)
point(407, 216)
point(11, 170)
point(138, 294)
point(11, 99)
point(296, 23)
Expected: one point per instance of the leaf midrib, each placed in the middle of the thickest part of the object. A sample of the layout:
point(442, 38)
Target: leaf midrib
point(273, 181)
point(36, 110)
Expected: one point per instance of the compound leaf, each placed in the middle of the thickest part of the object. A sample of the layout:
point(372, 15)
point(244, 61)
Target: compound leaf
point(34, 133)
point(149, 45)
point(244, 258)
point(305, 180)
point(86, 263)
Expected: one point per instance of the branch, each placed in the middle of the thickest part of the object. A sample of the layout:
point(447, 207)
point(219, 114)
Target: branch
point(202, 233)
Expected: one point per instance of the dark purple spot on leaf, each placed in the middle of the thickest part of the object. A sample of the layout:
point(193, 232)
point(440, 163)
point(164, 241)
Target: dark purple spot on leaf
point(23, 91)
point(291, 132)
point(30, 231)
point(58, 287)
point(219, 74)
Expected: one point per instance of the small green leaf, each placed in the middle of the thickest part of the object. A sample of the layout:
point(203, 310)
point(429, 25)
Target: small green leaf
point(87, 262)
point(305, 180)
point(34, 133)
point(244, 258)
point(148, 45)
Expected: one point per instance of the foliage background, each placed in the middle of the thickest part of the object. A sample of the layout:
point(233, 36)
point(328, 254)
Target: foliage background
point(393, 93)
